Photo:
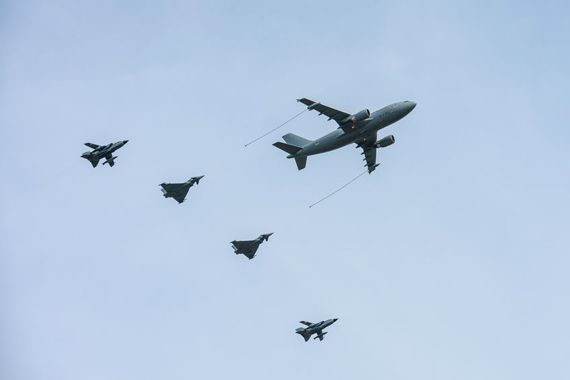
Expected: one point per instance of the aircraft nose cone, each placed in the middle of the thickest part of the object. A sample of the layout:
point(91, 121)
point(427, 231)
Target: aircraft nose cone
point(125, 141)
point(335, 319)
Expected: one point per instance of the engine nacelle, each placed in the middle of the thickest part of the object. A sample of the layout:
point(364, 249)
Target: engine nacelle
point(386, 141)
point(357, 117)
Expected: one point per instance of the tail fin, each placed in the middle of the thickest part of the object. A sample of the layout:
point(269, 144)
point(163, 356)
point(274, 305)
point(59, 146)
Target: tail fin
point(294, 144)
point(303, 333)
point(291, 149)
point(94, 161)
point(301, 162)
point(295, 140)
point(196, 180)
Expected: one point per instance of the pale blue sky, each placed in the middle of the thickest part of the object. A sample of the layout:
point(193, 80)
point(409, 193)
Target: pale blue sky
point(449, 262)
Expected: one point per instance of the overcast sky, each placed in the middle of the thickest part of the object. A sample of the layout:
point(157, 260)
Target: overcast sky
point(449, 262)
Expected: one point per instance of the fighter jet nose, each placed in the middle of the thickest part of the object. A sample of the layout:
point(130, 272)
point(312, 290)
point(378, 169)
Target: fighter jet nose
point(125, 141)
point(335, 319)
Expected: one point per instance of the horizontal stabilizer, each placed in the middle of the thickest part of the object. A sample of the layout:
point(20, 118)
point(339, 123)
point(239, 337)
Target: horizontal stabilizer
point(287, 148)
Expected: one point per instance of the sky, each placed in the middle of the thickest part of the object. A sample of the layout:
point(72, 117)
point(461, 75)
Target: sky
point(449, 261)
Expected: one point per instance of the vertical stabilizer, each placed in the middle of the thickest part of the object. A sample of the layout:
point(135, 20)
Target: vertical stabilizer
point(301, 162)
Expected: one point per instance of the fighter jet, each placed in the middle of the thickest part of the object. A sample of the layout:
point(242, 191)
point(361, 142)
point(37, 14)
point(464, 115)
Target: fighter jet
point(248, 248)
point(360, 128)
point(178, 191)
point(103, 151)
point(314, 328)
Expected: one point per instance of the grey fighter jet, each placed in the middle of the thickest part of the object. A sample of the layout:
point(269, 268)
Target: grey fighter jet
point(360, 128)
point(314, 328)
point(178, 191)
point(248, 248)
point(103, 151)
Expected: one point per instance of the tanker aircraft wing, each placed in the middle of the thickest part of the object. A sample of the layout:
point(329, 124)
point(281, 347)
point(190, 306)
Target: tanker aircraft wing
point(330, 112)
point(368, 145)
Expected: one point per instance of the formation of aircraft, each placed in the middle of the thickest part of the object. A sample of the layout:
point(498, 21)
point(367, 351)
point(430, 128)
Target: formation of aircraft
point(248, 248)
point(178, 191)
point(360, 128)
point(103, 151)
point(314, 328)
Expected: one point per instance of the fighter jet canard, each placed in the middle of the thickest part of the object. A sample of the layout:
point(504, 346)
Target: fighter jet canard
point(248, 248)
point(360, 128)
point(178, 191)
point(314, 328)
point(103, 151)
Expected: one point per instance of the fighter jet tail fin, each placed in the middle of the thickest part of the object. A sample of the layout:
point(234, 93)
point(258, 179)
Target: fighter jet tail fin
point(94, 161)
point(197, 179)
point(304, 334)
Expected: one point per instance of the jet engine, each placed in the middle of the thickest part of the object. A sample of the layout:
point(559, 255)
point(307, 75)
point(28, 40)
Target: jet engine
point(386, 141)
point(357, 117)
